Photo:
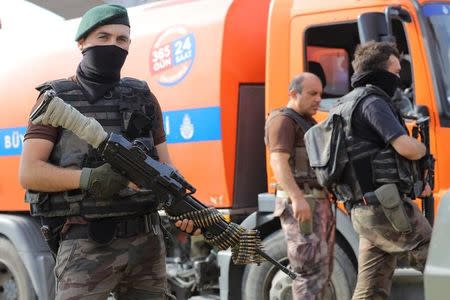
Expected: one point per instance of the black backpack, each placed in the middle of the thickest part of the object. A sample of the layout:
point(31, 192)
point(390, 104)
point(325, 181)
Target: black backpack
point(325, 144)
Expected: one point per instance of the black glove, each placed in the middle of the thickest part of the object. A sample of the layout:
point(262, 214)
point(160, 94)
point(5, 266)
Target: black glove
point(102, 182)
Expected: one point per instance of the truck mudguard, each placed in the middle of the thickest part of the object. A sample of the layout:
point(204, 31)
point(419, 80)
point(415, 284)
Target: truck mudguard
point(23, 232)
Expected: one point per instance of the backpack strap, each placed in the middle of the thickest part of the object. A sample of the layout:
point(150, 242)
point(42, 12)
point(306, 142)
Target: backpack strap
point(289, 112)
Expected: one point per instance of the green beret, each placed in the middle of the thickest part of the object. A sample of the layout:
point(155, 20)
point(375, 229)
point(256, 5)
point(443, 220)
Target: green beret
point(101, 15)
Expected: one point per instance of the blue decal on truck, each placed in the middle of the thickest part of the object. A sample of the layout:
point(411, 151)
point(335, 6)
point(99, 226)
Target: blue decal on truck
point(181, 126)
point(192, 125)
point(11, 140)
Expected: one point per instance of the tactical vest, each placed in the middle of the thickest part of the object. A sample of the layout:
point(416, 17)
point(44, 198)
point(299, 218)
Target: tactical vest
point(386, 164)
point(298, 161)
point(113, 112)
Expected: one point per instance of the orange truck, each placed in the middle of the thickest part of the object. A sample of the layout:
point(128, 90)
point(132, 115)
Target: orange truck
point(218, 68)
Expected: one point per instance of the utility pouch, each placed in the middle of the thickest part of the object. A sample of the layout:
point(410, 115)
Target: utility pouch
point(102, 231)
point(34, 197)
point(393, 207)
point(306, 228)
point(38, 201)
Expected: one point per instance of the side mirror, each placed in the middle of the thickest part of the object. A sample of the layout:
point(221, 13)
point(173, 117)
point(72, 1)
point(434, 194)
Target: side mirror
point(373, 27)
point(378, 26)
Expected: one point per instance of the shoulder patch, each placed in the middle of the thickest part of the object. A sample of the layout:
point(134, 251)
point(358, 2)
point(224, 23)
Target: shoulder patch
point(59, 86)
point(134, 83)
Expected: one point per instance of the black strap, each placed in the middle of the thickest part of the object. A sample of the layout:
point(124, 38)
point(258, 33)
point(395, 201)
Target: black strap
point(119, 228)
point(59, 86)
point(289, 112)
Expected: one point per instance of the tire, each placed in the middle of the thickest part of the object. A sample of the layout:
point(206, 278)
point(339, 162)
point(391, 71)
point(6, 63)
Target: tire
point(264, 282)
point(343, 278)
point(15, 283)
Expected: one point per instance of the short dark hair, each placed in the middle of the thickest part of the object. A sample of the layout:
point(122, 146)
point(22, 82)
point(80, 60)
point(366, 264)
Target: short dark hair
point(297, 83)
point(373, 56)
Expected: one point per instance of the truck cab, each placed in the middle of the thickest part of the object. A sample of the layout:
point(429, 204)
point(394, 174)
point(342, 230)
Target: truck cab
point(321, 37)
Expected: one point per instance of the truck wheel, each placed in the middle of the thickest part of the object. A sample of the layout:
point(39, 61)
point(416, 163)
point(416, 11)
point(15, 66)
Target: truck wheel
point(266, 282)
point(14, 281)
point(343, 278)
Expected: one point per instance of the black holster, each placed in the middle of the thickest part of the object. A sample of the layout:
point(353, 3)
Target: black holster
point(102, 231)
point(51, 229)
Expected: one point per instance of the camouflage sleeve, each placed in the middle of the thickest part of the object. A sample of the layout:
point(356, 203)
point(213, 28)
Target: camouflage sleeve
point(45, 132)
point(280, 135)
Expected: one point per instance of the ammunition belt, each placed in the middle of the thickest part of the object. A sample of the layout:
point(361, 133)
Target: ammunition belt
point(243, 242)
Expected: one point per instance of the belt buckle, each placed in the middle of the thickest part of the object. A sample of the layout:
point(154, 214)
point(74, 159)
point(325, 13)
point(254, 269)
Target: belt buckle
point(281, 194)
point(151, 223)
point(155, 222)
point(318, 193)
point(147, 223)
point(364, 201)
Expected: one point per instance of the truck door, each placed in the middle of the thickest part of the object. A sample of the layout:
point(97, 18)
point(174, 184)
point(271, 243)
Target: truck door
point(324, 43)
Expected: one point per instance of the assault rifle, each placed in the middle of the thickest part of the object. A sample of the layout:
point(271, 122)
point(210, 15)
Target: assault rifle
point(422, 130)
point(132, 160)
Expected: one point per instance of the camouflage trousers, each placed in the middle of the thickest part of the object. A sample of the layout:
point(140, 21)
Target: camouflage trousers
point(134, 268)
point(311, 256)
point(381, 246)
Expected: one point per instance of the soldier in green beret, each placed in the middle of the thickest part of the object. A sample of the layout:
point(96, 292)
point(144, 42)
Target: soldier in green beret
point(104, 231)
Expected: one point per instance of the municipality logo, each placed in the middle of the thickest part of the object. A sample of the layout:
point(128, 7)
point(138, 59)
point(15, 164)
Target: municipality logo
point(187, 128)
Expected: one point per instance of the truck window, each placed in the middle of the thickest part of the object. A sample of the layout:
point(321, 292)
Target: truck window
point(438, 19)
point(328, 54)
point(335, 65)
point(332, 67)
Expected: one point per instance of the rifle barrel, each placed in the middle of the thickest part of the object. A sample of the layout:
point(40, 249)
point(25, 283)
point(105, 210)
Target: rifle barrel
point(277, 264)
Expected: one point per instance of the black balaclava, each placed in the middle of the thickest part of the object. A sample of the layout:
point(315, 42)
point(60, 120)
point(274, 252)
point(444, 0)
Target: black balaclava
point(99, 70)
point(383, 79)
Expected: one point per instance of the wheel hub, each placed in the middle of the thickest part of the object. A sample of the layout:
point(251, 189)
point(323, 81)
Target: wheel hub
point(281, 288)
point(8, 286)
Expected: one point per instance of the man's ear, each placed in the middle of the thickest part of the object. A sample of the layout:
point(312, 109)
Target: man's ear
point(80, 44)
point(293, 93)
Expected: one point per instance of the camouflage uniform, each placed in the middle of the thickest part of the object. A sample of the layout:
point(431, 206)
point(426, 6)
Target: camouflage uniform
point(134, 268)
point(311, 256)
point(380, 246)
